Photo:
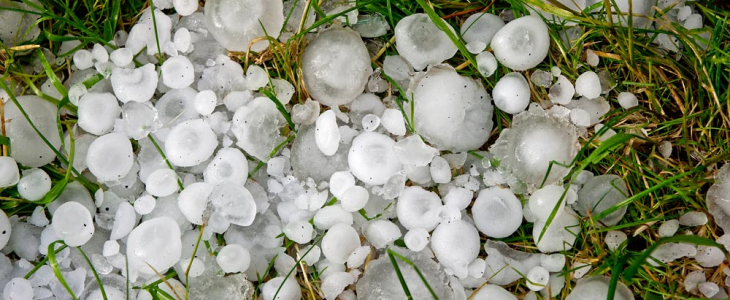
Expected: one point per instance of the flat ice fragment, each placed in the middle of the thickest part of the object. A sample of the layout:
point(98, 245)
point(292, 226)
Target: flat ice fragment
point(396, 67)
point(709, 256)
point(413, 151)
point(421, 43)
point(139, 119)
point(124, 221)
point(708, 289)
point(511, 94)
point(371, 26)
point(668, 228)
point(693, 218)
point(522, 44)
point(592, 58)
point(541, 78)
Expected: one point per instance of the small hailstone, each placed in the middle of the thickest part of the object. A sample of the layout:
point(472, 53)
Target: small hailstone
point(416, 239)
point(190, 143)
point(497, 212)
point(334, 284)
point(588, 84)
point(418, 208)
point(34, 184)
point(552, 262)
point(421, 43)
point(193, 201)
point(73, 224)
point(709, 256)
point(627, 100)
point(330, 216)
point(185, 7)
point(205, 102)
point(110, 248)
point(381, 233)
point(98, 112)
point(440, 170)
point(476, 47)
point(601, 193)
point(339, 242)
point(668, 228)
point(370, 122)
point(110, 157)
point(476, 268)
point(99, 53)
point(9, 174)
point(392, 120)
point(580, 269)
point(256, 77)
point(694, 21)
point(684, 13)
point(562, 91)
point(396, 67)
point(486, 63)
point(354, 198)
point(137, 84)
point(124, 221)
point(339, 182)
point(300, 232)
point(182, 39)
point(18, 288)
point(708, 289)
point(75, 92)
point(177, 72)
point(121, 57)
point(614, 239)
point(162, 182)
point(543, 201)
point(693, 280)
point(327, 134)
point(480, 28)
point(511, 94)
point(283, 89)
point(693, 218)
point(541, 78)
point(459, 197)
point(522, 44)
point(83, 59)
point(591, 58)
point(38, 217)
point(665, 149)
point(455, 245)
point(580, 117)
point(282, 288)
point(537, 278)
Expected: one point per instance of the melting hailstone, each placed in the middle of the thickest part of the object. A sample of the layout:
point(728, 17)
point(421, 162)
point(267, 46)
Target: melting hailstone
point(497, 212)
point(234, 23)
point(481, 27)
point(327, 134)
point(73, 224)
point(421, 43)
point(601, 193)
point(336, 66)
point(110, 157)
point(451, 112)
point(511, 94)
point(339, 242)
point(372, 159)
point(234, 203)
point(190, 143)
point(233, 258)
point(193, 201)
point(455, 244)
point(154, 244)
point(42, 113)
point(97, 112)
point(522, 44)
point(229, 164)
point(418, 208)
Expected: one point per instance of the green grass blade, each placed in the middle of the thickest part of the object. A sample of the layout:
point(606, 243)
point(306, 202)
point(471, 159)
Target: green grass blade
point(93, 270)
point(398, 273)
point(53, 263)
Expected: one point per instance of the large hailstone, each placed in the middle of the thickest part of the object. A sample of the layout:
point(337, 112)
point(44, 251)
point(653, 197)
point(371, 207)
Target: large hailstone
point(29, 148)
point(421, 43)
point(534, 141)
point(372, 159)
point(718, 198)
point(522, 44)
point(451, 112)
point(497, 212)
point(155, 242)
point(336, 66)
point(110, 157)
point(190, 143)
point(601, 193)
point(73, 224)
point(235, 23)
point(455, 244)
point(596, 288)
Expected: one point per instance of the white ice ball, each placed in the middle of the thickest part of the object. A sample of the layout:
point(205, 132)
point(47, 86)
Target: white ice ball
point(190, 143)
point(511, 94)
point(233, 258)
point(72, 223)
point(522, 44)
point(110, 157)
point(339, 242)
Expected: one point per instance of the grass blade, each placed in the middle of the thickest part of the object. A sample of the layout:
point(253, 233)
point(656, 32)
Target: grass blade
point(53, 263)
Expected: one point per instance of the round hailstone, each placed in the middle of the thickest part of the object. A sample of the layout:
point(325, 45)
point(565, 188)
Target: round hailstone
point(354, 198)
point(5, 229)
point(134, 84)
point(451, 112)
point(233, 258)
point(235, 23)
point(371, 158)
point(601, 193)
point(162, 183)
point(234, 203)
point(497, 212)
point(627, 100)
point(486, 63)
point(300, 232)
point(330, 216)
point(229, 164)
point(145, 204)
point(340, 182)
point(588, 85)
point(416, 239)
point(562, 91)
point(34, 152)
point(370, 122)
point(492, 292)
point(339, 242)
point(535, 140)
point(73, 224)
point(155, 242)
point(82, 59)
point(110, 157)
point(511, 94)
point(121, 57)
point(336, 66)
point(98, 112)
point(193, 201)
point(256, 77)
point(190, 143)
point(614, 239)
point(522, 44)
point(178, 71)
point(393, 121)
point(381, 233)
point(327, 134)
point(281, 288)
point(552, 262)
point(18, 288)
point(537, 278)
point(185, 7)
point(596, 287)
point(124, 221)
point(139, 119)
point(34, 184)
point(205, 102)
point(543, 201)
point(481, 27)
point(421, 43)
point(668, 228)
point(9, 173)
point(456, 244)
point(418, 208)
point(561, 233)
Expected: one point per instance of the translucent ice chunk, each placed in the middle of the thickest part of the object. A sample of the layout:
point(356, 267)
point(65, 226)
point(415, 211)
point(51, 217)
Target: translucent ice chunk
point(234, 24)
point(370, 26)
point(601, 193)
point(413, 151)
point(256, 126)
point(421, 43)
point(511, 94)
point(455, 244)
point(481, 27)
point(234, 202)
point(308, 161)
point(596, 287)
point(371, 158)
point(110, 157)
point(124, 221)
point(137, 84)
point(18, 288)
point(154, 244)
point(522, 44)
point(486, 63)
point(336, 66)
point(378, 281)
point(42, 113)
point(140, 119)
point(72, 222)
point(560, 235)
point(497, 212)
point(562, 91)
point(177, 72)
point(393, 121)
point(396, 67)
point(190, 143)
point(451, 112)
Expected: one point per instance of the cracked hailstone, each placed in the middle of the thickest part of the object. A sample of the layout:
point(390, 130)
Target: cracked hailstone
point(35, 152)
point(511, 94)
point(451, 112)
point(155, 242)
point(596, 288)
point(190, 143)
point(421, 43)
point(497, 212)
point(601, 193)
point(235, 23)
point(336, 66)
point(718, 198)
point(371, 158)
point(522, 44)
point(110, 157)
point(535, 140)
